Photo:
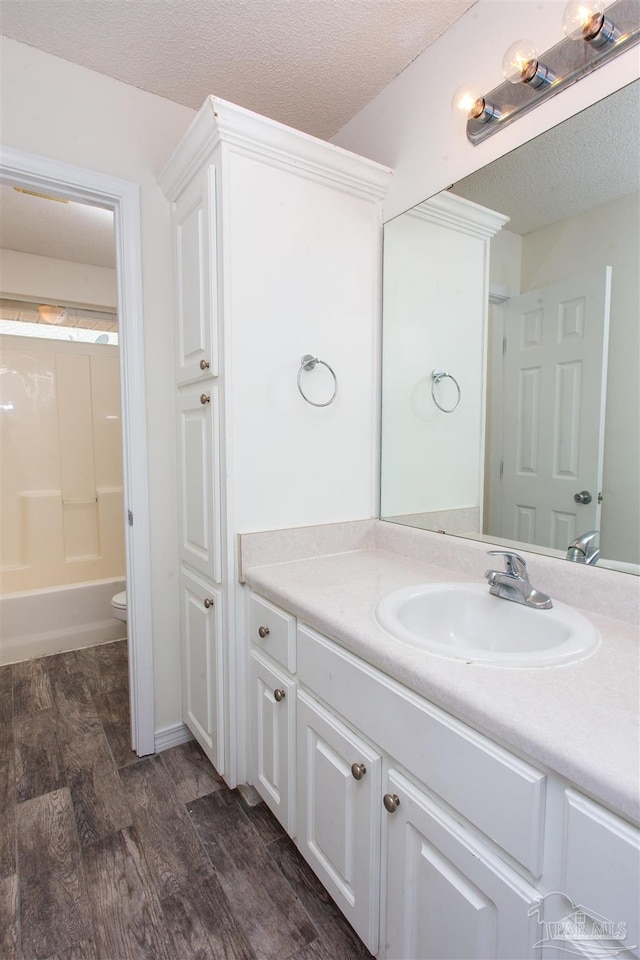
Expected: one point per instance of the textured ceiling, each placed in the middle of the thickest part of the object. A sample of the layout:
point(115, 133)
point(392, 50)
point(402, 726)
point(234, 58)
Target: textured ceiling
point(590, 159)
point(65, 231)
point(312, 64)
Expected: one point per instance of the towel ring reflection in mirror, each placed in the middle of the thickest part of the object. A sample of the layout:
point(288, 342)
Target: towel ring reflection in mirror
point(309, 362)
point(436, 377)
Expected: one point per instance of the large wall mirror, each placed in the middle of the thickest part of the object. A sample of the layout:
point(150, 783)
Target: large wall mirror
point(511, 347)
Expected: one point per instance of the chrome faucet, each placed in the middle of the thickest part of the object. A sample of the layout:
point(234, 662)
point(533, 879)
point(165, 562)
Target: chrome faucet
point(583, 549)
point(512, 583)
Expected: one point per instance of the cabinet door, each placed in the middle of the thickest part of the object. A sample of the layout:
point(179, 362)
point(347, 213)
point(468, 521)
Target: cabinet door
point(202, 666)
point(447, 895)
point(339, 814)
point(196, 287)
point(273, 702)
point(199, 478)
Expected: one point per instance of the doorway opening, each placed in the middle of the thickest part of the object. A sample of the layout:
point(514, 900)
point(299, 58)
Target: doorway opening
point(64, 181)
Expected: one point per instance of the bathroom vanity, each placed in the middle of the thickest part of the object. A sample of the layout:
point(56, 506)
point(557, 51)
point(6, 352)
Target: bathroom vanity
point(450, 808)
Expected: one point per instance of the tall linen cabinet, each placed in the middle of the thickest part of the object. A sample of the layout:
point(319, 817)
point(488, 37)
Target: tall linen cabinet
point(277, 250)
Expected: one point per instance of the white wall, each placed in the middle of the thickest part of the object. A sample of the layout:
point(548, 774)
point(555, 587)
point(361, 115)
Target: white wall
point(68, 113)
point(33, 277)
point(410, 125)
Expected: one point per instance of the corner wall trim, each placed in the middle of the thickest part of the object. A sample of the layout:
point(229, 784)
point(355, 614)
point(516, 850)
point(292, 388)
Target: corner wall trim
point(172, 736)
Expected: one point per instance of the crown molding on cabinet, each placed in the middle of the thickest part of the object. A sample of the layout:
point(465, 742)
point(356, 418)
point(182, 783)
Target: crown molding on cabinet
point(251, 134)
point(449, 210)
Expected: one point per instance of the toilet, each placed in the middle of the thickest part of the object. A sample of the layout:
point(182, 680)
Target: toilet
point(119, 606)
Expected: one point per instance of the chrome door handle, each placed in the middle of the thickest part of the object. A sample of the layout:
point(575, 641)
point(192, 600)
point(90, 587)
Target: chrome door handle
point(583, 497)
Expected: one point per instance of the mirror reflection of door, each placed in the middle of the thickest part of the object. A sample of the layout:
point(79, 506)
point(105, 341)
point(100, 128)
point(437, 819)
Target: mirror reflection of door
point(553, 397)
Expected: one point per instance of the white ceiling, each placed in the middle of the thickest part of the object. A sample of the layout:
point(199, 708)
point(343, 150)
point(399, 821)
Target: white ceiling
point(312, 64)
point(64, 231)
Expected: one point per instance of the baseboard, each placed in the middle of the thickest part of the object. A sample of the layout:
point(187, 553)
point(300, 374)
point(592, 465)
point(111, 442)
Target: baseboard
point(172, 736)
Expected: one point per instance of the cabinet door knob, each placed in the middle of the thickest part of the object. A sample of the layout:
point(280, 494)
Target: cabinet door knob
point(204, 364)
point(208, 602)
point(391, 802)
point(358, 771)
point(204, 398)
point(263, 632)
point(279, 695)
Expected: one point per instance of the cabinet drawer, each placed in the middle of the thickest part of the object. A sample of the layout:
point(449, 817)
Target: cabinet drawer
point(272, 630)
point(496, 791)
point(601, 867)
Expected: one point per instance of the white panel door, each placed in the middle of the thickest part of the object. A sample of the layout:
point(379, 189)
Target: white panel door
point(202, 666)
point(273, 715)
point(448, 897)
point(196, 287)
point(199, 478)
point(555, 365)
point(339, 804)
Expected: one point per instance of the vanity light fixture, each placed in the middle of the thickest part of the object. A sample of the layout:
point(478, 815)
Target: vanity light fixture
point(530, 79)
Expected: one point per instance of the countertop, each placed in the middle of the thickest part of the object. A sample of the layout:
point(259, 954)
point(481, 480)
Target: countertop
point(580, 719)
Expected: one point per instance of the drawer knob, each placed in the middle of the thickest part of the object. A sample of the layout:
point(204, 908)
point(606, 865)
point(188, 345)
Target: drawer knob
point(208, 602)
point(358, 771)
point(204, 364)
point(391, 802)
point(263, 632)
point(279, 695)
point(204, 398)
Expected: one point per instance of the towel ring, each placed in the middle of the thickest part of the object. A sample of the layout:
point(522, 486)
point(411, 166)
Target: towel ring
point(436, 377)
point(309, 362)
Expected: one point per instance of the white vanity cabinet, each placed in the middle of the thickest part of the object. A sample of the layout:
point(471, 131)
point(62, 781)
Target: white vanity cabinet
point(339, 781)
point(272, 708)
point(273, 705)
point(277, 242)
point(447, 894)
point(436, 842)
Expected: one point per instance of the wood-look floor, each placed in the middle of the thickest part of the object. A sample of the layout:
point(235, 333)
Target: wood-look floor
point(105, 856)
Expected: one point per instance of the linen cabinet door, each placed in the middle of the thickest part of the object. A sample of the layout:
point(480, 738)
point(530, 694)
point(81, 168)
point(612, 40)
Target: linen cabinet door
point(196, 287)
point(339, 779)
point(202, 665)
point(447, 895)
point(273, 706)
point(199, 478)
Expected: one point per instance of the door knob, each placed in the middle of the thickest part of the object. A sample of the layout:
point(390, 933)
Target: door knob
point(263, 632)
point(204, 364)
point(358, 771)
point(583, 497)
point(204, 398)
point(391, 802)
point(279, 695)
point(208, 602)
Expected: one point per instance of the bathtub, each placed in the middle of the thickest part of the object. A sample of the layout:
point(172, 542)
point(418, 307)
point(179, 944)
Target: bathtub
point(37, 623)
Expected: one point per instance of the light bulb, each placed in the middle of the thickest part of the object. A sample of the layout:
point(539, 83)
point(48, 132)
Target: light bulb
point(582, 19)
point(519, 61)
point(585, 20)
point(473, 105)
point(520, 64)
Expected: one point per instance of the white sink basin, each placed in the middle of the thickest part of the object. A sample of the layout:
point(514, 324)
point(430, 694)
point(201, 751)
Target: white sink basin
point(464, 621)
